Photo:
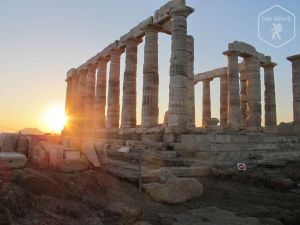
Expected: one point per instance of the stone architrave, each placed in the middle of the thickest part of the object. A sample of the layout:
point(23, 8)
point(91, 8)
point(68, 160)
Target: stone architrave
point(190, 80)
point(178, 97)
point(252, 70)
point(295, 59)
point(113, 99)
point(206, 110)
point(151, 78)
point(81, 98)
point(270, 99)
point(128, 118)
point(243, 93)
point(100, 101)
point(90, 97)
point(223, 100)
point(234, 110)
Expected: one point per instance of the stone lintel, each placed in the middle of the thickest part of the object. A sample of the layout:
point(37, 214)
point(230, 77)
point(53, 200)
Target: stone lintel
point(72, 72)
point(294, 58)
point(132, 41)
point(181, 11)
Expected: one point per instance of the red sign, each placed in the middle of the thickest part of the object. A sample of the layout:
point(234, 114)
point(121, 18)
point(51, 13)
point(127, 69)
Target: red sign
point(241, 166)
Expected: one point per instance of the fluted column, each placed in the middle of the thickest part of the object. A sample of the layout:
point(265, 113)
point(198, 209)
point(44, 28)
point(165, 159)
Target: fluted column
point(113, 100)
point(243, 93)
point(178, 97)
point(223, 100)
point(295, 59)
point(128, 118)
point(270, 99)
point(73, 120)
point(100, 101)
point(150, 78)
point(206, 110)
point(252, 70)
point(234, 110)
point(90, 97)
point(82, 97)
point(190, 80)
point(69, 100)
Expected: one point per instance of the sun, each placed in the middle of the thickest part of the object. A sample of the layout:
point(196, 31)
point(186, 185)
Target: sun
point(54, 118)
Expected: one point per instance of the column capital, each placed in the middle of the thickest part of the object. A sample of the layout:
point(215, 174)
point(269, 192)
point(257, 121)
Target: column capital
point(152, 27)
point(181, 11)
point(294, 58)
point(231, 53)
point(116, 51)
point(92, 67)
point(269, 64)
point(207, 80)
point(72, 72)
point(102, 60)
point(132, 41)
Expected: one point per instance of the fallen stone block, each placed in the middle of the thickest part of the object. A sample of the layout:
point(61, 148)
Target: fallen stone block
point(175, 190)
point(72, 165)
point(13, 160)
point(71, 154)
point(89, 151)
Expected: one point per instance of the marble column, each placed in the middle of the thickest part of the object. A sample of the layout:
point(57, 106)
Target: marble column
point(206, 110)
point(295, 59)
point(178, 97)
point(90, 97)
point(150, 78)
point(243, 93)
point(190, 80)
point(113, 99)
point(270, 99)
point(128, 118)
point(82, 97)
point(69, 101)
point(223, 100)
point(234, 110)
point(100, 101)
point(252, 70)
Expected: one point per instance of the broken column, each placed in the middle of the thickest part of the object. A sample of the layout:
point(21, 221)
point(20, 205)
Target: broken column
point(100, 101)
point(252, 70)
point(178, 68)
point(128, 119)
point(151, 78)
point(234, 110)
point(90, 97)
point(190, 80)
point(113, 99)
point(270, 99)
point(295, 59)
point(223, 100)
point(206, 110)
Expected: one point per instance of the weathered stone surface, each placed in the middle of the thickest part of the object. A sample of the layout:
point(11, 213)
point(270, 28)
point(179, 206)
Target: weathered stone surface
point(47, 155)
point(126, 211)
point(13, 160)
point(213, 216)
point(5, 216)
point(142, 223)
point(8, 142)
point(210, 122)
point(72, 165)
point(89, 151)
point(175, 190)
point(71, 154)
point(223, 100)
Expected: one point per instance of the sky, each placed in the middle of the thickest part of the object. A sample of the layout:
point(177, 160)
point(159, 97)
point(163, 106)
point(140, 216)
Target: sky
point(41, 40)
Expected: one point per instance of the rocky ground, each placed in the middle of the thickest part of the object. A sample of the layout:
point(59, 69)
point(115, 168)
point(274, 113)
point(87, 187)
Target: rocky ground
point(35, 197)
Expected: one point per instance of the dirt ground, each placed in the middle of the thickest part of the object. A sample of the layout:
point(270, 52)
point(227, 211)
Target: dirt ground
point(93, 197)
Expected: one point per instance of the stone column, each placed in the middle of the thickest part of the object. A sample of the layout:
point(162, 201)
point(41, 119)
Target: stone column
point(234, 110)
point(206, 110)
point(243, 93)
point(190, 80)
point(252, 70)
point(128, 118)
point(151, 78)
point(69, 100)
point(295, 59)
point(223, 100)
point(113, 100)
point(90, 97)
point(100, 101)
point(270, 99)
point(82, 97)
point(178, 69)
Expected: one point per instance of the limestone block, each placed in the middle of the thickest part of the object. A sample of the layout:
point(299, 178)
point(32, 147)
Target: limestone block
point(71, 154)
point(12, 159)
point(8, 142)
point(210, 122)
point(162, 14)
point(89, 151)
point(72, 165)
point(175, 190)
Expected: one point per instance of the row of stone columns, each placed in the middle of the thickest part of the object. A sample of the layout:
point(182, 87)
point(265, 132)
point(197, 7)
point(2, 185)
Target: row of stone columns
point(240, 94)
point(90, 101)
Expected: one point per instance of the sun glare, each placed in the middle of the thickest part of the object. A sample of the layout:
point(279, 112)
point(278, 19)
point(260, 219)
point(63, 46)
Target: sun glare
point(54, 118)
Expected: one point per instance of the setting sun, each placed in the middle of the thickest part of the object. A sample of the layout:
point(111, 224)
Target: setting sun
point(54, 118)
